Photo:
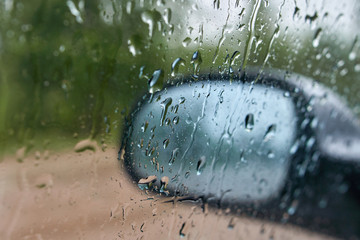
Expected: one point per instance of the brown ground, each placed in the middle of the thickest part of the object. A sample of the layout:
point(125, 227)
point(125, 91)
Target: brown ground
point(89, 196)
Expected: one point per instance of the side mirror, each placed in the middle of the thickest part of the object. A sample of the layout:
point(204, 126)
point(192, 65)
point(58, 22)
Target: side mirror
point(259, 142)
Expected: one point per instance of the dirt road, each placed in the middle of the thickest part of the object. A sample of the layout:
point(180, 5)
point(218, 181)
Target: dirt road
point(88, 195)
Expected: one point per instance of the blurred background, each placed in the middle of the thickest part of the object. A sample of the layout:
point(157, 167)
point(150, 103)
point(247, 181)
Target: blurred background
point(70, 72)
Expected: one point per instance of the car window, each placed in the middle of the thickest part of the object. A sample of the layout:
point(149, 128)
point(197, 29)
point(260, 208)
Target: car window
point(179, 119)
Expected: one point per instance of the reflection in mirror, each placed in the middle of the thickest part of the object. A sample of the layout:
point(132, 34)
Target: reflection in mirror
point(253, 143)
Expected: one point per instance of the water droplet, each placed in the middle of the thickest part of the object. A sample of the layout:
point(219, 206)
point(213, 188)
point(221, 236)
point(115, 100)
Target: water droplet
point(175, 66)
point(151, 18)
point(86, 144)
point(188, 120)
point(167, 121)
point(314, 123)
point(141, 72)
point(147, 180)
point(167, 15)
point(270, 132)
point(176, 120)
point(304, 123)
point(231, 224)
point(46, 154)
point(235, 56)
point(173, 156)
point(165, 181)
point(322, 203)
point(62, 48)
point(166, 143)
point(270, 154)
point(20, 154)
point(176, 108)
point(293, 207)
point(310, 18)
point(144, 126)
point(146, 183)
point(316, 39)
point(141, 143)
point(186, 41)
point(129, 7)
point(357, 67)
point(340, 63)
point(74, 11)
point(200, 165)
point(221, 98)
point(310, 142)
point(149, 151)
point(294, 147)
point(41, 185)
point(343, 72)
point(263, 182)
point(164, 105)
point(156, 81)
point(242, 158)
point(216, 4)
point(287, 94)
point(154, 211)
point(352, 56)
point(196, 60)
point(171, 29)
point(181, 232)
point(181, 100)
point(249, 122)
point(134, 44)
point(343, 188)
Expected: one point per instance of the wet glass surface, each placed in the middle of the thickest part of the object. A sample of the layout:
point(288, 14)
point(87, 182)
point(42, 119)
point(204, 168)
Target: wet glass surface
point(73, 72)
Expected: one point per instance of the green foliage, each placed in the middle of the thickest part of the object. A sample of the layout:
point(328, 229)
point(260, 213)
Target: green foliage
point(57, 73)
